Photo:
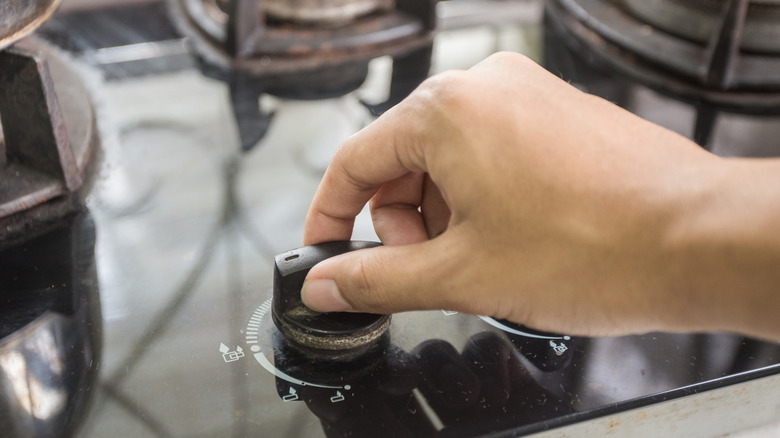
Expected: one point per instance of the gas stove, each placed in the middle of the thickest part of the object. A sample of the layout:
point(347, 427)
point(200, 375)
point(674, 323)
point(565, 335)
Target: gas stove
point(147, 309)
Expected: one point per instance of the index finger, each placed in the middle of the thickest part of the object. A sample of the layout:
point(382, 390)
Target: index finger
point(385, 150)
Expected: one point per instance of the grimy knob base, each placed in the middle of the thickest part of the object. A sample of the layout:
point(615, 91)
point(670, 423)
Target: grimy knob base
point(336, 331)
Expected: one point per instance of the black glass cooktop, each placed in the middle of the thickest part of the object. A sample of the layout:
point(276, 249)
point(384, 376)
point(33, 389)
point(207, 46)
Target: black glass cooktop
point(204, 359)
point(148, 313)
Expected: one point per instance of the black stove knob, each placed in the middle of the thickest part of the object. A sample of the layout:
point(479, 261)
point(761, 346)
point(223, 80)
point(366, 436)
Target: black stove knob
point(336, 332)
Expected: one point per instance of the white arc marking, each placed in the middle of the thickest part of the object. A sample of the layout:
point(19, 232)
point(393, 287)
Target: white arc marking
point(261, 359)
point(252, 335)
point(497, 324)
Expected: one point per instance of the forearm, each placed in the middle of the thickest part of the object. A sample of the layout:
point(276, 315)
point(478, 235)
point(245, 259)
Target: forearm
point(726, 271)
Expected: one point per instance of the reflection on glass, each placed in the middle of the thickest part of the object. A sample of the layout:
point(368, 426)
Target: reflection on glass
point(50, 339)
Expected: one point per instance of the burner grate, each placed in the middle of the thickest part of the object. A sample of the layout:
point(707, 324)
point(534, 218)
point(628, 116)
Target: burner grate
point(243, 43)
point(699, 20)
point(722, 71)
point(49, 137)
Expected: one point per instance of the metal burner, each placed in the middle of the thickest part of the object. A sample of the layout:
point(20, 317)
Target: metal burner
point(717, 55)
point(324, 11)
point(241, 35)
point(311, 49)
point(18, 18)
point(49, 139)
point(698, 20)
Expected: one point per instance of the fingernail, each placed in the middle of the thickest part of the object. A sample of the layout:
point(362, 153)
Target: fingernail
point(323, 295)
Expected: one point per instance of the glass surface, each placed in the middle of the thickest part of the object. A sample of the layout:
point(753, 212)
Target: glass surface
point(186, 226)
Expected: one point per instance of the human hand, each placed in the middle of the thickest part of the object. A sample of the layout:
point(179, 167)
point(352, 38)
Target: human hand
point(504, 191)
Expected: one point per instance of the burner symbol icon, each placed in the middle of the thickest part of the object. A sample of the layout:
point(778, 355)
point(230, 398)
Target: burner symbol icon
point(558, 348)
point(337, 398)
point(292, 396)
point(230, 356)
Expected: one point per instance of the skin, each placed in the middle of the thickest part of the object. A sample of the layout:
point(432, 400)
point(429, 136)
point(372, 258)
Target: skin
point(504, 191)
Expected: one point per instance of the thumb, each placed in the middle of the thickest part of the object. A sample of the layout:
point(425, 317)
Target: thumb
point(385, 279)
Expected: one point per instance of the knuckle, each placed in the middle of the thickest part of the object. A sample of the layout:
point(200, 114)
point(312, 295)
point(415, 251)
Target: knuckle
point(446, 86)
point(508, 59)
point(443, 100)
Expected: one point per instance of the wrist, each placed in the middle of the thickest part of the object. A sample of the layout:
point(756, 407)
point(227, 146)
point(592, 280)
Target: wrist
point(724, 269)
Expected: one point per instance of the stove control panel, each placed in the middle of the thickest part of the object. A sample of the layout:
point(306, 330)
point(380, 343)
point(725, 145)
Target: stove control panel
point(335, 333)
point(347, 367)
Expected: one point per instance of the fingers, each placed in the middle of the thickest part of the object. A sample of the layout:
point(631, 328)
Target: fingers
point(394, 211)
point(409, 210)
point(435, 211)
point(386, 279)
point(377, 154)
point(403, 141)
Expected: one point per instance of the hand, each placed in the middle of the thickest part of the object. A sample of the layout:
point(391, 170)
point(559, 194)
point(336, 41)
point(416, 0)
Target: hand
point(506, 192)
